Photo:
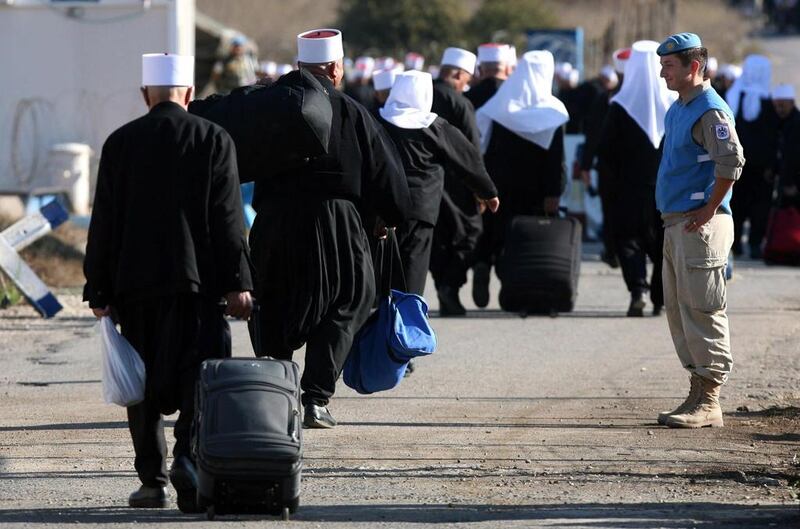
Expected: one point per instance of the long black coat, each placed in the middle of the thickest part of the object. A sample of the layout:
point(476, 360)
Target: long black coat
point(309, 245)
point(425, 153)
point(167, 214)
point(629, 158)
point(483, 91)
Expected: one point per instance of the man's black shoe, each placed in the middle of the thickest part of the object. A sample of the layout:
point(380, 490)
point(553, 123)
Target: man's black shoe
point(609, 259)
point(449, 304)
point(481, 274)
point(183, 477)
point(149, 498)
point(409, 369)
point(318, 417)
point(636, 308)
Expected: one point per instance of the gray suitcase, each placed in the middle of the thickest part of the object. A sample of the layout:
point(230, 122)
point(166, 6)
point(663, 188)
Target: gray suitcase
point(248, 441)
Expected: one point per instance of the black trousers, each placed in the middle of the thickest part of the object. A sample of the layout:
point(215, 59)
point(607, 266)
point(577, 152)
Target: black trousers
point(315, 284)
point(485, 252)
point(173, 335)
point(639, 234)
point(415, 239)
point(607, 198)
point(752, 198)
point(455, 239)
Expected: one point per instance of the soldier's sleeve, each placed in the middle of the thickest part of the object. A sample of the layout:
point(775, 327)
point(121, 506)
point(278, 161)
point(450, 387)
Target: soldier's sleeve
point(715, 132)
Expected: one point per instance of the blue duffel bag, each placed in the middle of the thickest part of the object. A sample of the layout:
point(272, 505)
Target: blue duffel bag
point(395, 333)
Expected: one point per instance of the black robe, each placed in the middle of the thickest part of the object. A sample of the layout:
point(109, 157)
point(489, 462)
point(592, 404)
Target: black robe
point(631, 164)
point(525, 174)
point(314, 274)
point(479, 95)
point(166, 241)
point(482, 92)
point(167, 215)
point(425, 152)
point(753, 195)
point(456, 235)
point(593, 123)
point(363, 94)
point(789, 170)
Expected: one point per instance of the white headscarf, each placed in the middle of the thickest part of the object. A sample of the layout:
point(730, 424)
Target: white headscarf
point(409, 103)
point(754, 84)
point(644, 94)
point(525, 103)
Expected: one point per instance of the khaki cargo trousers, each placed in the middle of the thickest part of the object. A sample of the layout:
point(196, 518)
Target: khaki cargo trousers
point(695, 294)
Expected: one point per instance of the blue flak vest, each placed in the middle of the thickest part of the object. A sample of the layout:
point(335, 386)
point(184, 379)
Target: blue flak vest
point(686, 173)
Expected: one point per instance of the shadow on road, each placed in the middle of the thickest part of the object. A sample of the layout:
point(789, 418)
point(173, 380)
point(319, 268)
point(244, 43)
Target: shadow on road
point(109, 425)
point(787, 412)
point(490, 425)
point(616, 515)
point(487, 314)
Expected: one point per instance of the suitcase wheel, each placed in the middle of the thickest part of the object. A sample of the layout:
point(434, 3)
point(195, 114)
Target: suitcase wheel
point(285, 514)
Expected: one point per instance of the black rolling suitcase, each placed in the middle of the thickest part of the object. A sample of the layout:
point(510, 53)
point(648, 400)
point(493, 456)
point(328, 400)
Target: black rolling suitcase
point(540, 265)
point(247, 438)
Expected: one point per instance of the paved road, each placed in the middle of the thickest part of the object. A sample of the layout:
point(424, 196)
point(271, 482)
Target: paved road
point(519, 422)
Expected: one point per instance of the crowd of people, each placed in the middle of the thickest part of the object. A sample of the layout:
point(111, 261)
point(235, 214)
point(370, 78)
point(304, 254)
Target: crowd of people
point(447, 161)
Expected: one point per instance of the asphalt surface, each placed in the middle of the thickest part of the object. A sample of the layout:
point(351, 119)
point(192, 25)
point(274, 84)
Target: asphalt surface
point(513, 422)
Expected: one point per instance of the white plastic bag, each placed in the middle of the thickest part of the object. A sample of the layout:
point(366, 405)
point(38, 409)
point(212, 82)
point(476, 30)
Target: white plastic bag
point(123, 369)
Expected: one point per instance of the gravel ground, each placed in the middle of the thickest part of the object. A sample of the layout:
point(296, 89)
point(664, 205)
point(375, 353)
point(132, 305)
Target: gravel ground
point(519, 422)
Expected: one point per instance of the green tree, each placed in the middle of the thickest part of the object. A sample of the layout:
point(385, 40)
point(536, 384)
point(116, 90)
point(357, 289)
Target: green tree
point(507, 21)
point(397, 26)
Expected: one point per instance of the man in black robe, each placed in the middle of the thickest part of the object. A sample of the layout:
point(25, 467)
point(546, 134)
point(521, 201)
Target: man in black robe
point(783, 99)
point(629, 148)
point(494, 69)
point(757, 125)
point(459, 226)
point(606, 86)
point(314, 275)
point(360, 87)
point(526, 162)
point(427, 143)
point(166, 244)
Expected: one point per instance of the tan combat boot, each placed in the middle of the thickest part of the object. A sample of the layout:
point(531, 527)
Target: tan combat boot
point(706, 412)
point(688, 404)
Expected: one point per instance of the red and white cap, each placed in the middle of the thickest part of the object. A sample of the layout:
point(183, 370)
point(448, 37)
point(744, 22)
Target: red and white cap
point(385, 63)
point(620, 58)
point(363, 67)
point(319, 46)
point(494, 52)
point(167, 69)
point(414, 61)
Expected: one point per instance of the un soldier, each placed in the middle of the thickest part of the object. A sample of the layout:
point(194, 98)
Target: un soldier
point(702, 159)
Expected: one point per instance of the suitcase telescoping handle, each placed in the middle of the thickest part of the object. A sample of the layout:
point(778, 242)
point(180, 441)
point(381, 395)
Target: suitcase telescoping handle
point(253, 325)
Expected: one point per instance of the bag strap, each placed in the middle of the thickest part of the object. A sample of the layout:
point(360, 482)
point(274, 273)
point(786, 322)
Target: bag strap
point(396, 258)
point(386, 261)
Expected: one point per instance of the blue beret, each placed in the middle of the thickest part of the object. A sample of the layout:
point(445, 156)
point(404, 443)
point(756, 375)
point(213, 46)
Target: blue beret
point(679, 42)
